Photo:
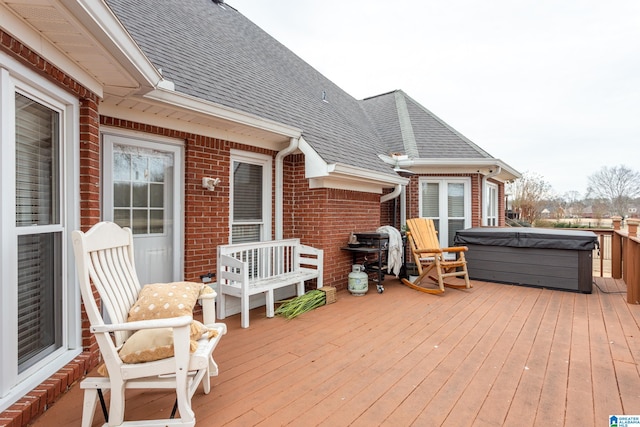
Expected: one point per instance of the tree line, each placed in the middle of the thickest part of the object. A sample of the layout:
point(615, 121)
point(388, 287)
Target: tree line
point(611, 191)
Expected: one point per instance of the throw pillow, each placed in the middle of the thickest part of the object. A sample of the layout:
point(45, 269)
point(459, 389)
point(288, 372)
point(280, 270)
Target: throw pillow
point(147, 345)
point(165, 300)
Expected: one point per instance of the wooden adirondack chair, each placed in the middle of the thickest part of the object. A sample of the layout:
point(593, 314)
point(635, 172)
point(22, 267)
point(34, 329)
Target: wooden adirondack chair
point(429, 257)
point(104, 258)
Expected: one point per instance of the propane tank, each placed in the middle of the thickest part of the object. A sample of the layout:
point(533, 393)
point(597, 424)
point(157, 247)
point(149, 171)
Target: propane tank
point(358, 280)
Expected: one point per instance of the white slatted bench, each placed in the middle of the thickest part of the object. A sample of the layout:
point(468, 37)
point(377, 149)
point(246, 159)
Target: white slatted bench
point(247, 269)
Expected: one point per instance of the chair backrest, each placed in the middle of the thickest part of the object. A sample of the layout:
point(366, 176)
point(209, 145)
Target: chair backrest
point(423, 234)
point(104, 257)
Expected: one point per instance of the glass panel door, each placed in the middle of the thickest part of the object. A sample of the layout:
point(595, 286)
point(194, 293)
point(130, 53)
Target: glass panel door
point(455, 210)
point(142, 191)
point(447, 202)
point(492, 205)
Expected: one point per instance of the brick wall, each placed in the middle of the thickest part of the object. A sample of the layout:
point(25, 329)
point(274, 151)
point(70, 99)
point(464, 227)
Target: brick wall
point(324, 218)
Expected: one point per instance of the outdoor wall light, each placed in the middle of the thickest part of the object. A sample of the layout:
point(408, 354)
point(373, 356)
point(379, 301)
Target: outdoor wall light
point(210, 183)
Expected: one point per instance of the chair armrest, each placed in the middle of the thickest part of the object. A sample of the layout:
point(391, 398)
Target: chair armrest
point(429, 251)
point(207, 301)
point(456, 249)
point(173, 322)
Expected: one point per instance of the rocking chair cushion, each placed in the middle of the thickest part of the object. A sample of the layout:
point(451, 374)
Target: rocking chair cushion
point(165, 300)
point(147, 345)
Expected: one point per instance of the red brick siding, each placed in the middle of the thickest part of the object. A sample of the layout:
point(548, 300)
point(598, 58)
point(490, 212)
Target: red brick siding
point(324, 218)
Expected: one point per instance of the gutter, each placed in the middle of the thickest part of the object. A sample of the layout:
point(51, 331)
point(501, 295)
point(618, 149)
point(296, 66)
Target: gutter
point(279, 214)
point(395, 193)
point(485, 198)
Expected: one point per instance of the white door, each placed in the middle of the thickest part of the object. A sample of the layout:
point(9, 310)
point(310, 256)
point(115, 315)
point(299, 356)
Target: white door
point(142, 190)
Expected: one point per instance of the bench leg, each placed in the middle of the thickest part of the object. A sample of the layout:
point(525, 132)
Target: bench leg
point(221, 305)
point(270, 303)
point(244, 311)
point(300, 288)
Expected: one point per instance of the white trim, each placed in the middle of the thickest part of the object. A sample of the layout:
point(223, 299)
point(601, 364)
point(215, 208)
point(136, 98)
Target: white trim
point(267, 188)
point(14, 76)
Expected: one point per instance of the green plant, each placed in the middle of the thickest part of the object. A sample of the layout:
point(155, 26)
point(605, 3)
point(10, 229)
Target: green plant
point(298, 305)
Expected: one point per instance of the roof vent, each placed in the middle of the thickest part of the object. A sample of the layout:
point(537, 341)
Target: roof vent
point(324, 96)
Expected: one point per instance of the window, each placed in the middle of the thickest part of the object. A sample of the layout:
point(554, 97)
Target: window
point(40, 328)
point(250, 197)
point(139, 189)
point(37, 204)
point(447, 202)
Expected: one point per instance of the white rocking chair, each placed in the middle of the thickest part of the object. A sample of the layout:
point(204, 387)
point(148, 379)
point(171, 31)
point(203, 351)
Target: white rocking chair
point(104, 258)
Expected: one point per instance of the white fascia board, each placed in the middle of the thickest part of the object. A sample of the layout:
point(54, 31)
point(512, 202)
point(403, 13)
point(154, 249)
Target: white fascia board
point(200, 106)
point(314, 165)
point(344, 177)
point(458, 165)
point(23, 32)
point(109, 31)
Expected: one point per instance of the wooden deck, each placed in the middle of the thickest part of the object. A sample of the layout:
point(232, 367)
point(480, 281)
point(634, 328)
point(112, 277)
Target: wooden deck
point(493, 355)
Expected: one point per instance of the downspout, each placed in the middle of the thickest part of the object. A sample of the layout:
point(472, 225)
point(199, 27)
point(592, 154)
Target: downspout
point(485, 197)
point(279, 214)
point(395, 193)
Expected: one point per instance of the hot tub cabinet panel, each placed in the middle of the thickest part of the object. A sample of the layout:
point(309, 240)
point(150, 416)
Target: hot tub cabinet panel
point(557, 259)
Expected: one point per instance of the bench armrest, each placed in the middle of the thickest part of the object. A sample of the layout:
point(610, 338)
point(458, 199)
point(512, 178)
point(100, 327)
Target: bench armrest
point(306, 254)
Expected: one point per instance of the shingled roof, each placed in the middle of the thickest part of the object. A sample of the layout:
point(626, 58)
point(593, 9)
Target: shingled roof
point(409, 128)
point(213, 52)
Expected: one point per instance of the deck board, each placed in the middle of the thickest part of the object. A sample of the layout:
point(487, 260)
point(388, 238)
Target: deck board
point(492, 355)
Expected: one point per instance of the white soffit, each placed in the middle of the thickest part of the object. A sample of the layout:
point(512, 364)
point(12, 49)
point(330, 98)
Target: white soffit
point(55, 33)
point(199, 118)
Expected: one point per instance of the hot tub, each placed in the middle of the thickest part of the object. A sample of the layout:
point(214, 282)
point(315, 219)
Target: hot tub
point(549, 258)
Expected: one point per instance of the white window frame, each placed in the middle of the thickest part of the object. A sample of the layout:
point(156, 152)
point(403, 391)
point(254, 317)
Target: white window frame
point(266, 162)
point(491, 205)
point(16, 77)
point(443, 217)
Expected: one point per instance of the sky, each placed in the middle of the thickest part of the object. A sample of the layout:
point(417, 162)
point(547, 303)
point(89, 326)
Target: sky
point(550, 87)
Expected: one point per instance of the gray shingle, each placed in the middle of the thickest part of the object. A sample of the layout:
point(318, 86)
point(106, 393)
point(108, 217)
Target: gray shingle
point(433, 137)
point(214, 53)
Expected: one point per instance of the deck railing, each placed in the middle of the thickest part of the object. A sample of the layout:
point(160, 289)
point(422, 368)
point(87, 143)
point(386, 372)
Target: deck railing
point(625, 257)
point(602, 253)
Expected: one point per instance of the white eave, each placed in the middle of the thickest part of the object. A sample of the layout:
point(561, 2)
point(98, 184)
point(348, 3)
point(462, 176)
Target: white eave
point(83, 38)
point(483, 166)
